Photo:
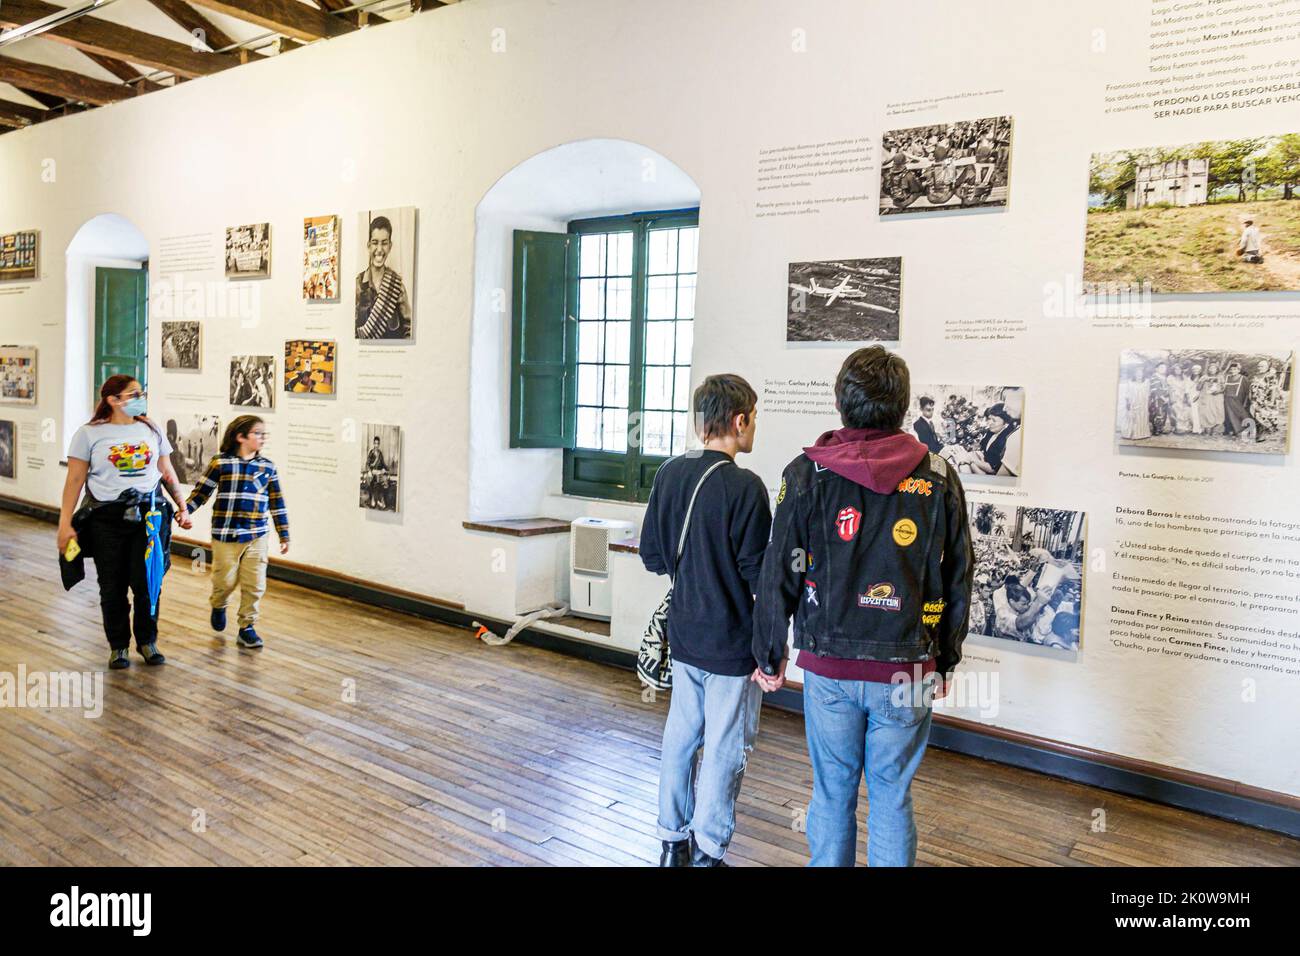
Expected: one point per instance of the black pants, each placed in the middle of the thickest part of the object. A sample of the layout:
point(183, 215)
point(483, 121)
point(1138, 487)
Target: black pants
point(119, 564)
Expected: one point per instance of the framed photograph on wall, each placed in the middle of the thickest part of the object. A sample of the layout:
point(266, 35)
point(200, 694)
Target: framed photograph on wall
point(309, 366)
point(181, 348)
point(194, 440)
point(20, 258)
point(844, 300)
point(962, 165)
point(8, 449)
point(252, 381)
point(1028, 574)
point(976, 428)
point(248, 251)
point(1204, 400)
point(1213, 216)
point(17, 375)
point(320, 259)
point(381, 459)
point(385, 286)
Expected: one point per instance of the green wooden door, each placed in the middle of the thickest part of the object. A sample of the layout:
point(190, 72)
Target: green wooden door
point(121, 324)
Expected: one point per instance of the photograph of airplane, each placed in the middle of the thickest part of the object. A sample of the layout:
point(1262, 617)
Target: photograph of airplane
point(844, 300)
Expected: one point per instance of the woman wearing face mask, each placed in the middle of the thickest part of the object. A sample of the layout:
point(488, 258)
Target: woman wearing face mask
point(121, 458)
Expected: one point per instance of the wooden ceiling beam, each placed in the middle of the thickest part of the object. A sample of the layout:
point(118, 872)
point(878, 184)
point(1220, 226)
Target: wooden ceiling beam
point(22, 111)
point(92, 35)
point(352, 16)
point(289, 17)
point(124, 71)
point(65, 83)
point(195, 24)
point(45, 99)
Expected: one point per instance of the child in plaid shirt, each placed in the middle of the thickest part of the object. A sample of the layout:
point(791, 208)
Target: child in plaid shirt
point(247, 491)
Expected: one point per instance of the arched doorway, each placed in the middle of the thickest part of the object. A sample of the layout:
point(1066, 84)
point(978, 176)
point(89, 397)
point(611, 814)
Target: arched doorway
point(106, 328)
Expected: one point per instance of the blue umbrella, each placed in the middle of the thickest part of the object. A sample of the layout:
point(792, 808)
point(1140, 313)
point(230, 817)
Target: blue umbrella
point(154, 566)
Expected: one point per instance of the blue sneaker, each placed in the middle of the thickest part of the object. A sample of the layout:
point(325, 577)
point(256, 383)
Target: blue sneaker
point(248, 638)
point(218, 618)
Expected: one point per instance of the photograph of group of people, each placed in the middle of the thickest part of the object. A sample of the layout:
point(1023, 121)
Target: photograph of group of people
point(975, 428)
point(252, 381)
point(380, 459)
point(19, 256)
point(1028, 574)
point(309, 366)
point(194, 440)
point(946, 165)
point(1214, 216)
point(18, 375)
point(1204, 400)
point(320, 259)
point(181, 346)
point(248, 251)
point(844, 300)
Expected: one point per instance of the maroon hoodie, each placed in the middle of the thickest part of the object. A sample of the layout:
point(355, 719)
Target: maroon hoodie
point(877, 459)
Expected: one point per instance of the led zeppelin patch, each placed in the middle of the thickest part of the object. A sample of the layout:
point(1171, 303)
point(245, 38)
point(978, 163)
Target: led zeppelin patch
point(848, 521)
point(904, 532)
point(881, 597)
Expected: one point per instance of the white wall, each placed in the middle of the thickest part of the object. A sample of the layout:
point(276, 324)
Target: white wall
point(425, 113)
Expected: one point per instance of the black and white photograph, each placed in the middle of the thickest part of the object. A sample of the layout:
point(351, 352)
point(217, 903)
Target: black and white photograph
point(1204, 400)
point(961, 165)
point(252, 381)
point(17, 375)
point(195, 439)
point(381, 454)
point(248, 251)
point(844, 300)
point(1028, 574)
point(8, 449)
point(976, 428)
point(182, 346)
point(386, 284)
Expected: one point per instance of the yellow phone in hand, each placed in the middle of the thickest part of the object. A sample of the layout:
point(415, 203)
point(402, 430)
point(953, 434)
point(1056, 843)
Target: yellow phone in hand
point(71, 551)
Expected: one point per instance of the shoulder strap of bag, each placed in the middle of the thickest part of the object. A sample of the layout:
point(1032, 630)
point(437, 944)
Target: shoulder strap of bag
point(681, 540)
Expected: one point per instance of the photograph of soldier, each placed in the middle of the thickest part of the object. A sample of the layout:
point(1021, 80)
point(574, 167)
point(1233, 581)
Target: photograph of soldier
point(960, 165)
point(380, 461)
point(386, 286)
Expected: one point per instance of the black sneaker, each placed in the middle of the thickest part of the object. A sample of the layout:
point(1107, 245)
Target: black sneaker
point(119, 659)
point(218, 618)
point(151, 656)
point(675, 853)
point(248, 638)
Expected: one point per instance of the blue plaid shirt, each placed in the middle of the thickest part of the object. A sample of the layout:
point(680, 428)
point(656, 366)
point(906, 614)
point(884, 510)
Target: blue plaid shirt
point(246, 493)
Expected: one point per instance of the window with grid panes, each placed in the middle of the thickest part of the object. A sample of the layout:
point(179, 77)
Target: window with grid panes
point(636, 309)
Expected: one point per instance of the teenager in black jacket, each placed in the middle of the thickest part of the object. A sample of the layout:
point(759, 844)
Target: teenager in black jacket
point(715, 703)
point(871, 554)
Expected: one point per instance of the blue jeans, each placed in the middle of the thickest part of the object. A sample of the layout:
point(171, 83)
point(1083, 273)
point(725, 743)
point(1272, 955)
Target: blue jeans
point(720, 714)
point(852, 725)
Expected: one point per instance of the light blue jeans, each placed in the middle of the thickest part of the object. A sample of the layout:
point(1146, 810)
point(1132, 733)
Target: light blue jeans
point(698, 796)
point(851, 726)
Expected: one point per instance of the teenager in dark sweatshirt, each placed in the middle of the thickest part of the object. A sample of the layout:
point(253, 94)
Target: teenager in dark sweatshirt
point(715, 703)
point(871, 554)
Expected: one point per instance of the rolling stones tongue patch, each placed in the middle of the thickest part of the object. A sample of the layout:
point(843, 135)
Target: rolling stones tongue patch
point(847, 523)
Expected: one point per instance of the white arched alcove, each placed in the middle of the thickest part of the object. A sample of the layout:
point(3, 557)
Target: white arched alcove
point(107, 240)
point(581, 180)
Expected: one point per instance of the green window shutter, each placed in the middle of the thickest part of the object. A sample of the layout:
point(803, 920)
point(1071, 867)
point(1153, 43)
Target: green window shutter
point(121, 324)
point(543, 346)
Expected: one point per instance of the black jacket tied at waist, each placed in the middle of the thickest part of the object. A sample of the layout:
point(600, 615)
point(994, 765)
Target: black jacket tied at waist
point(130, 505)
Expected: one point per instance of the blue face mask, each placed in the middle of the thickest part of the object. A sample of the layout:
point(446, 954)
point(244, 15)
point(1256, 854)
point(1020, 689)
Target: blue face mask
point(135, 406)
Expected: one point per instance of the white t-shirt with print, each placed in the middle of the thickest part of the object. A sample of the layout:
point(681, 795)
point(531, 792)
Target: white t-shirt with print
point(120, 457)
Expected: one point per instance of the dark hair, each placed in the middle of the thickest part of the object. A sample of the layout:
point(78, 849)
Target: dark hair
point(237, 429)
point(380, 222)
point(1017, 591)
point(873, 389)
point(998, 410)
point(718, 400)
point(114, 386)
point(926, 400)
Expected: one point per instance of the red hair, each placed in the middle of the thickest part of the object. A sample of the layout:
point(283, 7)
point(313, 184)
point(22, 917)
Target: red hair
point(114, 386)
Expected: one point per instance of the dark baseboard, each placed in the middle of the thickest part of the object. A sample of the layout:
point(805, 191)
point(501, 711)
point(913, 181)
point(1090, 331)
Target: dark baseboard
point(971, 742)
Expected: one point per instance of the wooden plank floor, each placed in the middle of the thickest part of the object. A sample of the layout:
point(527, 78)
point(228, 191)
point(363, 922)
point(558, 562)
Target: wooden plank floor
point(449, 752)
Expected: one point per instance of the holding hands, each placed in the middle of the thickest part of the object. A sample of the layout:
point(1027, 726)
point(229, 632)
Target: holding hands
point(770, 682)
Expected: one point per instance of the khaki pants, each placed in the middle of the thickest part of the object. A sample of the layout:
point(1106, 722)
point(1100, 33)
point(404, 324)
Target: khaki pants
point(241, 563)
